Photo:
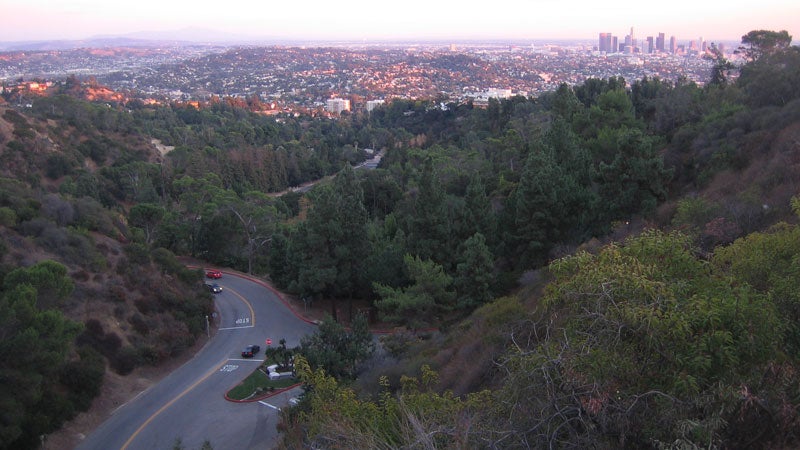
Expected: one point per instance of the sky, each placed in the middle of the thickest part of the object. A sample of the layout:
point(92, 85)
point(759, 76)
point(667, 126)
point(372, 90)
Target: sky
point(22, 20)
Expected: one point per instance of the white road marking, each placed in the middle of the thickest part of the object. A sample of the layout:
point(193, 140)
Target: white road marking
point(271, 406)
point(234, 328)
point(247, 359)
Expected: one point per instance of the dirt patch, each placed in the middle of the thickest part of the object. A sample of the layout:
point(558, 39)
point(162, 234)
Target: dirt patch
point(162, 149)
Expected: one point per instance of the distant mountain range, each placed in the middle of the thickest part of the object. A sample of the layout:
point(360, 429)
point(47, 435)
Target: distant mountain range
point(186, 36)
point(204, 36)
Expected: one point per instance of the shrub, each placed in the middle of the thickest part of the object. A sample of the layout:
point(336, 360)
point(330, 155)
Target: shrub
point(15, 146)
point(91, 215)
point(24, 132)
point(137, 253)
point(83, 378)
point(57, 166)
point(8, 217)
point(148, 355)
point(145, 305)
point(81, 275)
point(167, 261)
point(139, 324)
point(126, 360)
point(117, 293)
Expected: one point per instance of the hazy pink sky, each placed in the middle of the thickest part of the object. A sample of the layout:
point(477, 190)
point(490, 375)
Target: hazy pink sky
point(370, 19)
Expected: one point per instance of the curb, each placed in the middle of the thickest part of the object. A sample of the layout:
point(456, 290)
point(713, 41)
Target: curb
point(268, 395)
point(277, 294)
point(288, 305)
point(264, 284)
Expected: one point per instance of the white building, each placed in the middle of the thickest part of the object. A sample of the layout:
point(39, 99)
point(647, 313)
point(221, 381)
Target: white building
point(372, 104)
point(337, 105)
point(498, 93)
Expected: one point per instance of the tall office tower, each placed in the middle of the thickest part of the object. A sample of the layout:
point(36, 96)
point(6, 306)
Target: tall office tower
point(650, 47)
point(660, 42)
point(629, 45)
point(614, 44)
point(673, 45)
point(605, 43)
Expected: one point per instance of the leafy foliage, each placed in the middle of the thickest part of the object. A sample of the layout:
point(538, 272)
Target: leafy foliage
point(34, 344)
point(416, 416)
point(337, 350)
point(426, 299)
point(648, 345)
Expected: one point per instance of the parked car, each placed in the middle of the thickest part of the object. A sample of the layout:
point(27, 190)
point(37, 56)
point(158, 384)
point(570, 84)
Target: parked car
point(214, 287)
point(250, 351)
point(216, 274)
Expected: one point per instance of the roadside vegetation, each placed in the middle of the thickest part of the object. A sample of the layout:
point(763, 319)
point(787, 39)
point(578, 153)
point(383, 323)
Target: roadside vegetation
point(258, 384)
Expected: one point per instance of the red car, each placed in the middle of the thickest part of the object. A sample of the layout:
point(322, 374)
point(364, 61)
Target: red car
point(214, 274)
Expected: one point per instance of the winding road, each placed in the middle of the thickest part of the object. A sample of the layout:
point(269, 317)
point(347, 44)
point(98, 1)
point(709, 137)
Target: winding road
point(189, 404)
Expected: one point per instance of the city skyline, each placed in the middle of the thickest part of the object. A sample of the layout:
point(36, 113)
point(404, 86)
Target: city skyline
point(413, 19)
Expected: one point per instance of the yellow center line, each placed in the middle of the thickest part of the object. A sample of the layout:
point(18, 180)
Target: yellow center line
point(249, 306)
point(210, 372)
point(151, 418)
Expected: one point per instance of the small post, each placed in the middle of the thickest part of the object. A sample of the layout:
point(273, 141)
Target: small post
point(208, 328)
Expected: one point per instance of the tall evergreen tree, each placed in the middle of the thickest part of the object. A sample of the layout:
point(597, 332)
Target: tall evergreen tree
point(635, 178)
point(546, 202)
point(427, 224)
point(336, 241)
point(474, 274)
point(422, 303)
point(478, 209)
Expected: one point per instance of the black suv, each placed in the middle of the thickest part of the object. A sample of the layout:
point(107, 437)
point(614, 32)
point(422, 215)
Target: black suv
point(250, 351)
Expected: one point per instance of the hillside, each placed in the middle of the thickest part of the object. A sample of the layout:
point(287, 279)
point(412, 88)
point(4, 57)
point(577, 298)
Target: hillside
point(132, 307)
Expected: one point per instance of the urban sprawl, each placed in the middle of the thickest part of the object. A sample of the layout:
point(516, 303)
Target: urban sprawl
point(332, 79)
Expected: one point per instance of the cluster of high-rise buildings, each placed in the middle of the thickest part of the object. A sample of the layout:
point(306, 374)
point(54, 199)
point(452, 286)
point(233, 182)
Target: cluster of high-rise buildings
point(608, 43)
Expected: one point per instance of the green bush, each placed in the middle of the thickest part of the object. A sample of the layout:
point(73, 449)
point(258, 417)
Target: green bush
point(167, 261)
point(57, 166)
point(139, 323)
point(126, 360)
point(24, 132)
point(138, 254)
point(8, 217)
point(15, 146)
point(83, 377)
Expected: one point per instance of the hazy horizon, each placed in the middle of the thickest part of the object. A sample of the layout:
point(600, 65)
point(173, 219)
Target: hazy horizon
point(359, 20)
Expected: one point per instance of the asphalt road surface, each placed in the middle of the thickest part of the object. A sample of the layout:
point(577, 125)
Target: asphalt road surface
point(189, 404)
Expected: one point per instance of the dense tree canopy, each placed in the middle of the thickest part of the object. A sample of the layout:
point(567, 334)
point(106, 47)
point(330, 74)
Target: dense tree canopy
point(34, 345)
